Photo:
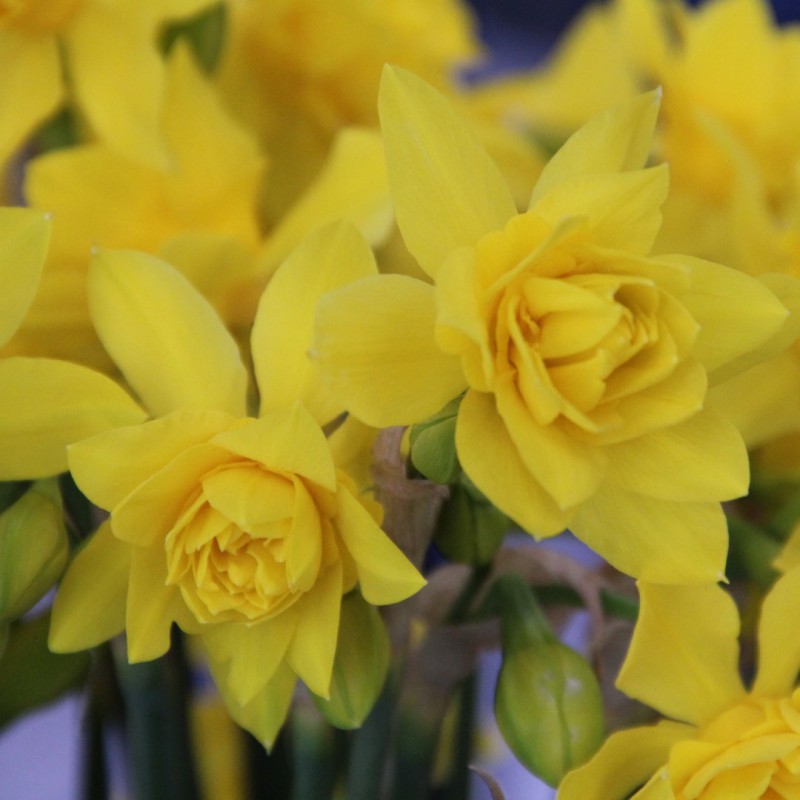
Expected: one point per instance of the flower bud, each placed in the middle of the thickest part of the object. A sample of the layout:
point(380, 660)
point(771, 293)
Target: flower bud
point(360, 665)
point(547, 701)
point(433, 445)
point(33, 549)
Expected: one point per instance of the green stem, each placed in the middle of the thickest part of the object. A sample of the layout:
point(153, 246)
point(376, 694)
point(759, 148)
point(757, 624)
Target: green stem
point(313, 754)
point(459, 782)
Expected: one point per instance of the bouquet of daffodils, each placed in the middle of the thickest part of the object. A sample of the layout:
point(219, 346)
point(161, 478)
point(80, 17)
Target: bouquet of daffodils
point(302, 334)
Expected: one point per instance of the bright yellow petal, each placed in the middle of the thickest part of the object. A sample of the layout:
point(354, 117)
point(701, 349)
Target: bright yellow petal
point(656, 540)
point(333, 256)
point(89, 607)
point(265, 714)
point(567, 469)
point(313, 646)
point(375, 347)
point(252, 654)
point(701, 459)
point(168, 341)
point(46, 405)
point(778, 645)
point(616, 140)
point(109, 466)
point(24, 235)
point(287, 440)
point(31, 87)
point(684, 656)
point(729, 327)
point(490, 458)
point(625, 761)
point(447, 191)
point(123, 42)
point(352, 186)
point(385, 575)
point(622, 210)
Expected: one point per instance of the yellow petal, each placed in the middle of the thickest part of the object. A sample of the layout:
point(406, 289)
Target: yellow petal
point(656, 540)
point(567, 469)
point(252, 654)
point(446, 189)
point(139, 304)
point(265, 714)
point(109, 466)
point(490, 458)
point(616, 140)
point(778, 647)
point(24, 235)
point(31, 87)
point(303, 550)
point(622, 210)
point(287, 440)
point(684, 655)
point(46, 405)
point(385, 575)
point(333, 256)
point(701, 459)
point(313, 646)
point(729, 328)
point(352, 186)
point(375, 347)
point(625, 761)
point(152, 605)
point(89, 607)
point(122, 40)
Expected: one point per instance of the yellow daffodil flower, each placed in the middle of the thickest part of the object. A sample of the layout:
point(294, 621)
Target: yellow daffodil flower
point(241, 530)
point(720, 741)
point(584, 361)
point(109, 51)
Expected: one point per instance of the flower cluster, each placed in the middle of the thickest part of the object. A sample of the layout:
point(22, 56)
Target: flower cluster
point(291, 319)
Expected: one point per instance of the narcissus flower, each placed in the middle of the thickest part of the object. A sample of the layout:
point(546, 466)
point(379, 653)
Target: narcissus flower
point(243, 531)
point(110, 51)
point(583, 360)
point(721, 741)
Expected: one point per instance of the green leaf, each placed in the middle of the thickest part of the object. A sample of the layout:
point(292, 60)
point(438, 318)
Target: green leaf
point(433, 445)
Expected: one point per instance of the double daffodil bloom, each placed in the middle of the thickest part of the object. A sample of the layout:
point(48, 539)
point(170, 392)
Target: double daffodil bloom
point(721, 741)
point(241, 530)
point(583, 361)
point(110, 51)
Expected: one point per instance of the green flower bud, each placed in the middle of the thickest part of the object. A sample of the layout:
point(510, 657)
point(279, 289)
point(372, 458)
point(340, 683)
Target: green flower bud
point(33, 549)
point(547, 701)
point(360, 665)
point(433, 445)
point(470, 529)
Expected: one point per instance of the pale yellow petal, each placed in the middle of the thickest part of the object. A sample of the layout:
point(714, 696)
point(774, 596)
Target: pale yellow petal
point(109, 466)
point(447, 191)
point(729, 327)
point(123, 42)
point(701, 459)
point(684, 655)
point(352, 186)
point(287, 440)
point(313, 646)
point(24, 235)
point(375, 346)
point(333, 256)
point(89, 607)
point(385, 575)
point(303, 549)
point(622, 210)
point(778, 644)
point(656, 540)
point(168, 341)
point(490, 458)
point(252, 654)
point(46, 405)
point(626, 760)
point(31, 86)
point(616, 140)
